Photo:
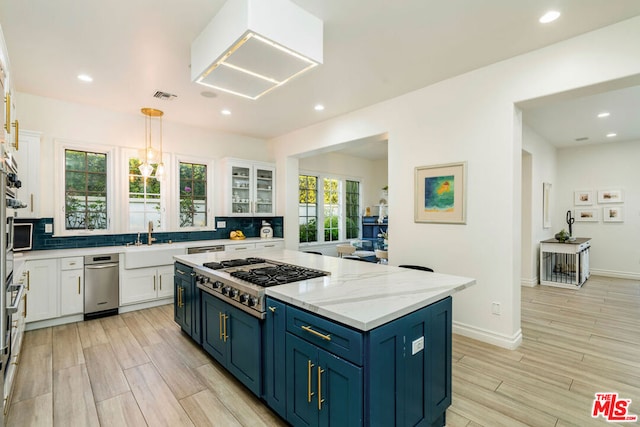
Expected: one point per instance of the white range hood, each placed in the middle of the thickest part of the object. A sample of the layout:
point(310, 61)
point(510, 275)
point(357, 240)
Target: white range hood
point(253, 46)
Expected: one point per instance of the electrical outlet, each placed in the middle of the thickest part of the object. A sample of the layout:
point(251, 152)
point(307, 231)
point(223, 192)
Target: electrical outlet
point(48, 228)
point(417, 345)
point(221, 224)
point(495, 308)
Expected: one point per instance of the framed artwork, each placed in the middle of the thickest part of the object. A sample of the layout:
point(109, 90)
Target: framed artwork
point(546, 208)
point(610, 196)
point(586, 215)
point(583, 198)
point(440, 193)
point(613, 214)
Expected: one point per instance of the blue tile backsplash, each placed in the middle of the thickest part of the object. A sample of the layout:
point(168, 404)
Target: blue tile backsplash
point(249, 226)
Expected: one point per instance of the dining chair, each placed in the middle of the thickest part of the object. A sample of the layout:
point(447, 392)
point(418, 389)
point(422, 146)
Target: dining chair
point(345, 249)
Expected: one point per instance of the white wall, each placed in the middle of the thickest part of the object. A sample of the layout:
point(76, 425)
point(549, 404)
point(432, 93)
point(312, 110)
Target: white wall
point(614, 248)
point(544, 165)
point(82, 123)
point(469, 118)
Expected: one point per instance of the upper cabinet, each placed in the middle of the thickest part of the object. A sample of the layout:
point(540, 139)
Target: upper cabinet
point(10, 126)
point(250, 188)
point(28, 159)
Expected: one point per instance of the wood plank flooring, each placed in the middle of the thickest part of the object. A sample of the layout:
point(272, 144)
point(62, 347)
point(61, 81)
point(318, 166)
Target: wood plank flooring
point(139, 369)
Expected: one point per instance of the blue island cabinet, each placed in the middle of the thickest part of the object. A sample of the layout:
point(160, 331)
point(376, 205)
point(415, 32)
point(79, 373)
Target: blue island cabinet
point(233, 338)
point(398, 374)
point(186, 301)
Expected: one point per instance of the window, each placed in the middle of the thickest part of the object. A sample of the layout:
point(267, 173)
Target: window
point(330, 213)
point(193, 195)
point(352, 205)
point(331, 210)
point(145, 199)
point(308, 208)
point(85, 190)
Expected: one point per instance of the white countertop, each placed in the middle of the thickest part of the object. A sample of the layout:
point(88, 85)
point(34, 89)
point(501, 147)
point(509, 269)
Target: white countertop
point(358, 294)
point(58, 253)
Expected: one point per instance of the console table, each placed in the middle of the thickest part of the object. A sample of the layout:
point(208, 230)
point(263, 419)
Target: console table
point(564, 264)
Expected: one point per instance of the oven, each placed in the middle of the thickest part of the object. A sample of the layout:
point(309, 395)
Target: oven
point(242, 282)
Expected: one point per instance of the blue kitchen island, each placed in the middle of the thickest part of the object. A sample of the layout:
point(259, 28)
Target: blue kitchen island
point(366, 345)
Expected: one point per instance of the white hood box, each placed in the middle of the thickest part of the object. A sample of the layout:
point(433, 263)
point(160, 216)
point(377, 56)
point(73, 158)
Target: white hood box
point(253, 46)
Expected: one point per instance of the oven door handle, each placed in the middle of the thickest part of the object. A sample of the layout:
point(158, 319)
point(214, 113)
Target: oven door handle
point(14, 307)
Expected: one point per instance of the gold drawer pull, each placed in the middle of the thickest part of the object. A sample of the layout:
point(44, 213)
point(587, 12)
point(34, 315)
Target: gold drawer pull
point(309, 392)
point(272, 309)
point(320, 399)
point(316, 333)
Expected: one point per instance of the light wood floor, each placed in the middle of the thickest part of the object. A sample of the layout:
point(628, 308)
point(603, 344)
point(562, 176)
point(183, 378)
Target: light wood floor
point(139, 369)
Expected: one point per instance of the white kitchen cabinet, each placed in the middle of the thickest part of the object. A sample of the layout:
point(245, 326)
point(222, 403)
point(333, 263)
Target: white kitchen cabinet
point(71, 286)
point(239, 247)
point(28, 158)
point(43, 289)
point(250, 188)
point(270, 244)
point(146, 284)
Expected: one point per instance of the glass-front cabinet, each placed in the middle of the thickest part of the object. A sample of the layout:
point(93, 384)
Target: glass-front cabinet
point(251, 189)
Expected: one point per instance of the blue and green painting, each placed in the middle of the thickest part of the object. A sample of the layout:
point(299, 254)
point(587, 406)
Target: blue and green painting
point(439, 194)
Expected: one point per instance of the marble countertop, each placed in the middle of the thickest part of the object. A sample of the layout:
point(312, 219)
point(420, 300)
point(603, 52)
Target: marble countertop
point(58, 253)
point(358, 294)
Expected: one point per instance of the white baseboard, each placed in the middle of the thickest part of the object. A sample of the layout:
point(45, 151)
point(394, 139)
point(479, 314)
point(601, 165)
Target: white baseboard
point(530, 283)
point(616, 274)
point(508, 342)
point(54, 322)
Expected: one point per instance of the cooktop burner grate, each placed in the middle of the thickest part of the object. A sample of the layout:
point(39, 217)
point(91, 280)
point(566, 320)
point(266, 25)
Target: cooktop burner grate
point(276, 275)
point(233, 263)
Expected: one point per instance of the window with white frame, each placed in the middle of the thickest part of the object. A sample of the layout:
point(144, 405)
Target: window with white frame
point(193, 193)
point(328, 213)
point(145, 201)
point(85, 190)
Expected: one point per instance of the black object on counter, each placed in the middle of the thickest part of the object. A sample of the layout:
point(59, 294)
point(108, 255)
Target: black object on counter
point(570, 221)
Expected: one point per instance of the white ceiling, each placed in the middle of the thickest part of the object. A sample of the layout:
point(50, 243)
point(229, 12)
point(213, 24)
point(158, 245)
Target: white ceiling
point(373, 50)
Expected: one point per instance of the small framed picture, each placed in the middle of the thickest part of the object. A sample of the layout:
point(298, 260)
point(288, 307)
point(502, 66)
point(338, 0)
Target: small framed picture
point(610, 196)
point(586, 215)
point(583, 198)
point(613, 214)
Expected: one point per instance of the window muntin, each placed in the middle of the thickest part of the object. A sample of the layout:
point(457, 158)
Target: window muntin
point(193, 195)
point(308, 208)
point(331, 198)
point(85, 190)
point(352, 207)
point(145, 199)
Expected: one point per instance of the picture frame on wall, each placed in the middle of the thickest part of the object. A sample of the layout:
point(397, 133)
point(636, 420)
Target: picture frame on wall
point(440, 193)
point(610, 196)
point(583, 198)
point(586, 215)
point(613, 214)
point(546, 205)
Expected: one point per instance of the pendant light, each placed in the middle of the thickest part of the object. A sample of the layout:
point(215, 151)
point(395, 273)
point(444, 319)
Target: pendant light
point(146, 168)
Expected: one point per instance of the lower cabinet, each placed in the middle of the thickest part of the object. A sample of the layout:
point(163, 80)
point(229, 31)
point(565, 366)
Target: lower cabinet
point(398, 374)
point(146, 284)
point(42, 284)
point(322, 389)
point(71, 286)
point(186, 302)
point(234, 339)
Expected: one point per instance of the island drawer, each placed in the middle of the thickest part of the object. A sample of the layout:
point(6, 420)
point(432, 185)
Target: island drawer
point(337, 339)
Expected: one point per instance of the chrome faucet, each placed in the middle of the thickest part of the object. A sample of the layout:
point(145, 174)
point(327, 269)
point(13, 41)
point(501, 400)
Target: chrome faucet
point(150, 238)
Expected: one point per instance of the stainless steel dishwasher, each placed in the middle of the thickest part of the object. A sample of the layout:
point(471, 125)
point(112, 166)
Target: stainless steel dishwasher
point(205, 249)
point(101, 287)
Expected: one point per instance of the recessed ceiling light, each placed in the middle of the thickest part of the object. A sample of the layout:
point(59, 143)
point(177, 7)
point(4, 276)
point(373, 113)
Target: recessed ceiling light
point(611, 135)
point(604, 114)
point(225, 112)
point(85, 78)
point(319, 107)
point(550, 16)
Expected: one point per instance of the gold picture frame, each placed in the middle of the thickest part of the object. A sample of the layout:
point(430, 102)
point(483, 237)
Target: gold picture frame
point(440, 193)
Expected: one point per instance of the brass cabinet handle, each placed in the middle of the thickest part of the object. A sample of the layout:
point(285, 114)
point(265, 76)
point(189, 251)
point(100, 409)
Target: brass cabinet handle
point(17, 126)
point(160, 282)
point(224, 333)
point(182, 296)
point(309, 392)
point(320, 399)
point(181, 272)
point(28, 280)
point(154, 283)
point(78, 285)
point(272, 309)
point(316, 333)
point(220, 323)
point(179, 297)
point(31, 204)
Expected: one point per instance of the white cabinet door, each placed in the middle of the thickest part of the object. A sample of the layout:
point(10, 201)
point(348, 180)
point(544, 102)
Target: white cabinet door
point(137, 285)
point(264, 190)
point(250, 188)
point(28, 158)
point(239, 247)
point(43, 289)
point(279, 244)
point(71, 292)
point(165, 281)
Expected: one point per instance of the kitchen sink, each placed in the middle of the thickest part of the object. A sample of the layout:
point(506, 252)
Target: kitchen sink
point(151, 256)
